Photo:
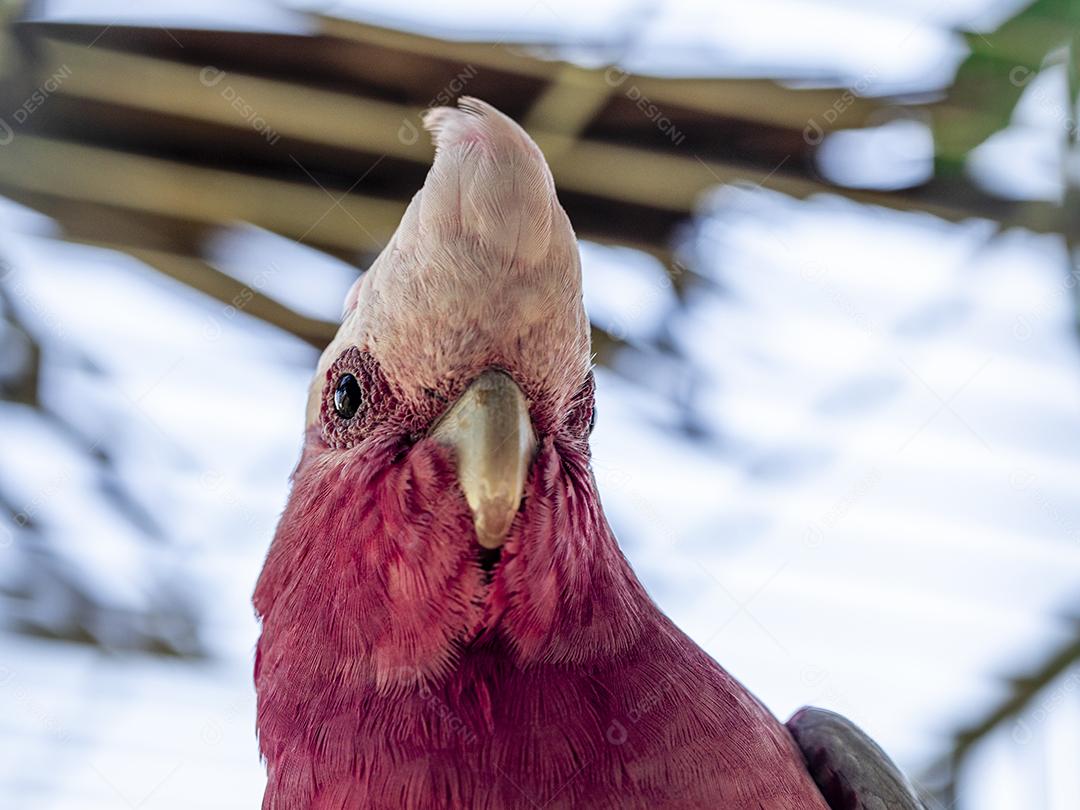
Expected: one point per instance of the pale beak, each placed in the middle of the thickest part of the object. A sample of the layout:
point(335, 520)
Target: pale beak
point(491, 434)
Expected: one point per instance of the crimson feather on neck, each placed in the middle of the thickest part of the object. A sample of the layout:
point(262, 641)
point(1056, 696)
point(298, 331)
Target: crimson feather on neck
point(374, 570)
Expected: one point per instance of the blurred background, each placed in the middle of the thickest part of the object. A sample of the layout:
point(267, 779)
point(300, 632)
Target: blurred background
point(830, 257)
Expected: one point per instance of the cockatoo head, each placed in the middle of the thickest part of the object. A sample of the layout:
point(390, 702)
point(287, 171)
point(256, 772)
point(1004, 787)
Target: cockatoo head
point(444, 492)
point(475, 301)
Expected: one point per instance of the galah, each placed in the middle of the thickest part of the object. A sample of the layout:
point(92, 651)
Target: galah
point(447, 619)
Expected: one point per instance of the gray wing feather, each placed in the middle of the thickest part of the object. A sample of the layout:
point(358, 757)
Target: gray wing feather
point(850, 769)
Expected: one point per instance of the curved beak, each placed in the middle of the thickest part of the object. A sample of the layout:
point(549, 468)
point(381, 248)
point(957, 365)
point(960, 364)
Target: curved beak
point(491, 433)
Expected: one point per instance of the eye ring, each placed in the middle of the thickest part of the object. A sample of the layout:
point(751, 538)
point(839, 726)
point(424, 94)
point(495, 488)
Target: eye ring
point(348, 396)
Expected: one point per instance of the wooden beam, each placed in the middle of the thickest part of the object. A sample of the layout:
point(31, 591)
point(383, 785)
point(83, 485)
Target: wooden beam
point(565, 108)
point(91, 174)
point(236, 100)
point(662, 180)
point(758, 100)
point(79, 189)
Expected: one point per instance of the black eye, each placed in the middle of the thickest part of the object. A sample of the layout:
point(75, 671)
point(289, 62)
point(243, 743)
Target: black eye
point(592, 419)
point(347, 396)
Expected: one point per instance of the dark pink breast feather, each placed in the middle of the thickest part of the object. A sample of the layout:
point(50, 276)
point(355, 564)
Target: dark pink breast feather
point(391, 674)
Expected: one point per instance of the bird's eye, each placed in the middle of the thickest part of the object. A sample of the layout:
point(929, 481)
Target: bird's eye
point(592, 419)
point(347, 396)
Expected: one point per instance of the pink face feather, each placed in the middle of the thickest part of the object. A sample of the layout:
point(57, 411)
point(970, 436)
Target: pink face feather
point(397, 668)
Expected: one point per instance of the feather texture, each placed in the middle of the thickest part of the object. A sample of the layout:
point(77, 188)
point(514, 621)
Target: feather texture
point(394, 671)
point(390, 675)
point(484, 266)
